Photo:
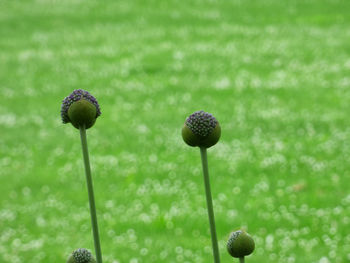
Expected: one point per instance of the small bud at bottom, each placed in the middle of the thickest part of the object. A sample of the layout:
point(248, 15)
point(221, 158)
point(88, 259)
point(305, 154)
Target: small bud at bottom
point(81, 255)
point(240, 244)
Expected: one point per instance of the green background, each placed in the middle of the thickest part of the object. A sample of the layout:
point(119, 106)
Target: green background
point(276, 74)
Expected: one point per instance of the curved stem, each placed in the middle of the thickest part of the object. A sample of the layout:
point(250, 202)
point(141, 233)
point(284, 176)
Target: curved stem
point(210, 205)
point(91, 194)
point(241, 260)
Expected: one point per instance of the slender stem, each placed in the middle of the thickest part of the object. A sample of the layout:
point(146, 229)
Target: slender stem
point(91, 194)
point(210, 205)
point(241, 260)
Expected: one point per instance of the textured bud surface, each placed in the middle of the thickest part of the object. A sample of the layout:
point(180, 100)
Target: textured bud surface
point(201, 123)
point(81, 255)
point(234, 236)
point(75, 96)
point(240, 244)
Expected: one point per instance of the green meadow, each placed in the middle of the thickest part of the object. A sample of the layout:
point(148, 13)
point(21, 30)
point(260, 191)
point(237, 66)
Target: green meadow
point(276, 74)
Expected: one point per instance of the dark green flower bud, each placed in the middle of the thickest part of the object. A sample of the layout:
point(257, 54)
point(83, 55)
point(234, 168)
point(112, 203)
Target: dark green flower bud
point(201, 129)
point(82, 112)
point(80, 108)
point(81, 255)
point(240, 244)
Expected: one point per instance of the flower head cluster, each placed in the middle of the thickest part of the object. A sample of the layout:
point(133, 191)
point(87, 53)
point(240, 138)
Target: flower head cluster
point(82, 255)
point(77, 95)
point(201, 123)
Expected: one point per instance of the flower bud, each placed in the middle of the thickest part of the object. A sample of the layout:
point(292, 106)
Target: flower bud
point(81, 255)
point(240, 244)
point(80, 108)
point(201, 129)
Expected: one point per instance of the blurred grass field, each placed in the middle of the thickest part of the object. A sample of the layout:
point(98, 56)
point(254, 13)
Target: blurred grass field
point(276, 74)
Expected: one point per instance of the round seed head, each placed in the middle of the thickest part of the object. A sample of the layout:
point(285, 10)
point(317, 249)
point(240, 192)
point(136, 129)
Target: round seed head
point(81, 255)
point(240, 244)
point(201, 129)
point(80, 108)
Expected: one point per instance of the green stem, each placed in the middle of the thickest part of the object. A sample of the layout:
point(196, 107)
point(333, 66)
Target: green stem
point(241, 260)
point(91, 194)
point(210, 205)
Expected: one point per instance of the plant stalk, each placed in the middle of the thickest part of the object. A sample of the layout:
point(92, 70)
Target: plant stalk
point(210, 205)
point(91, 194)
point(241, 260)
